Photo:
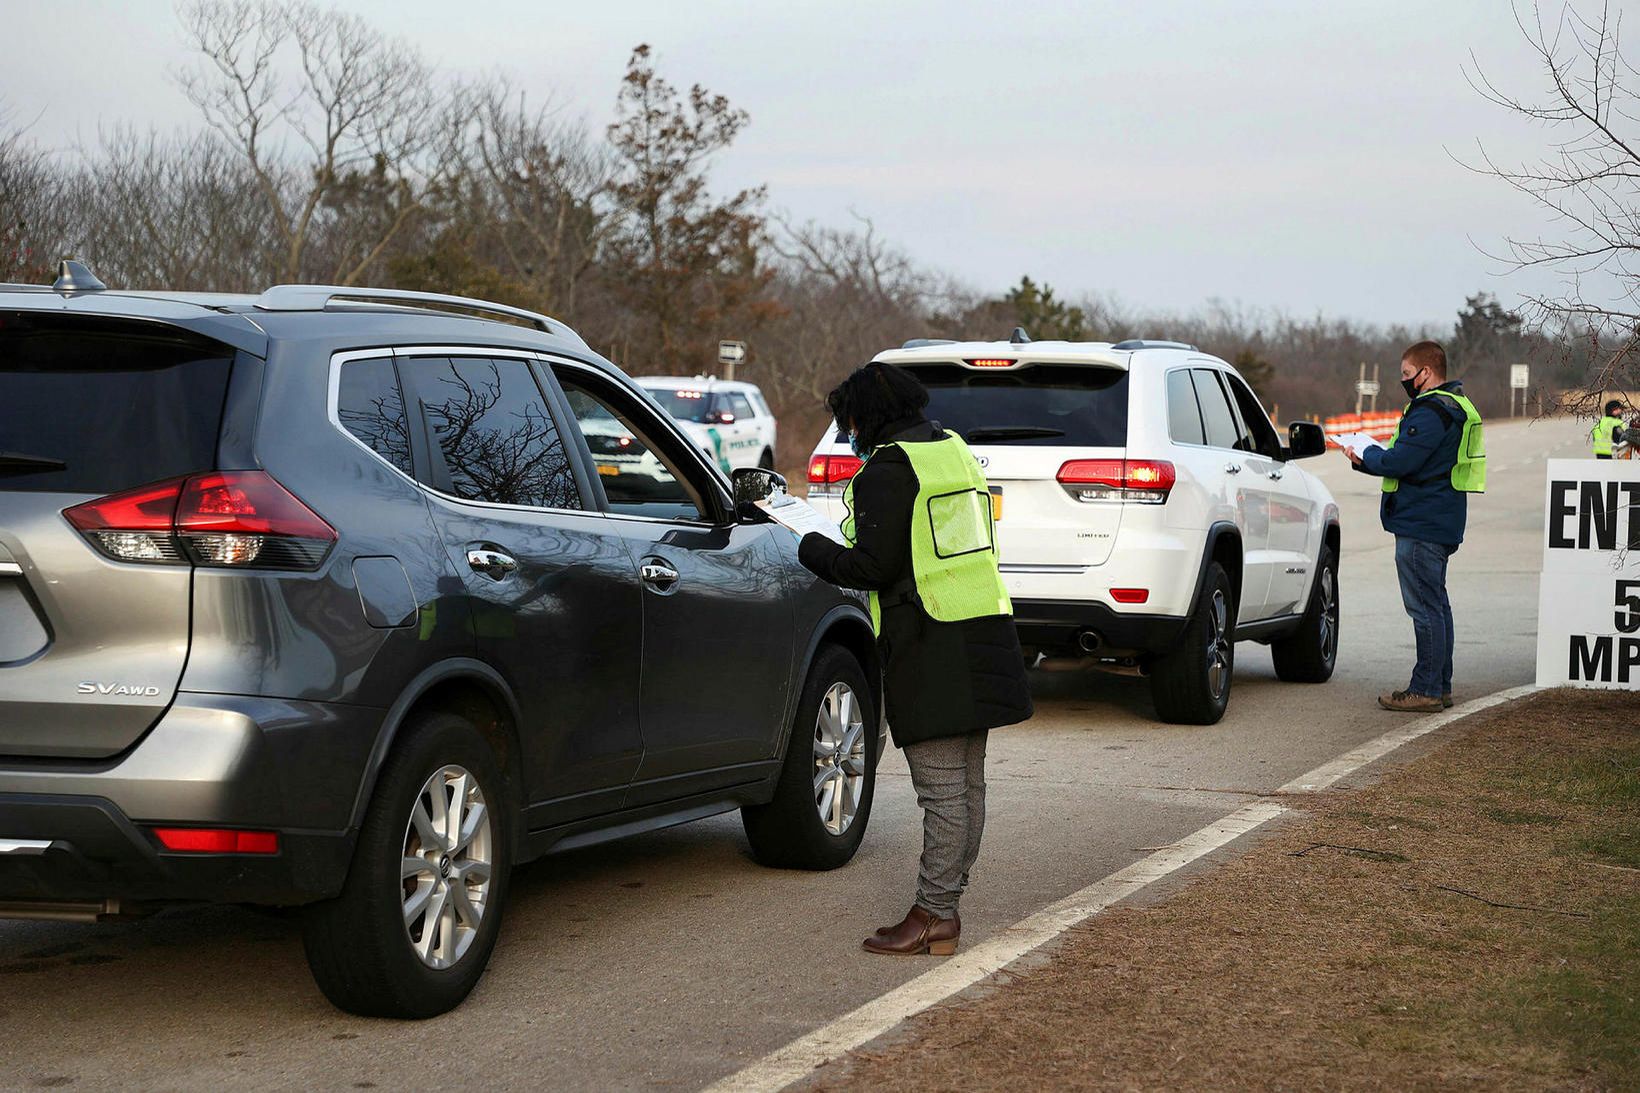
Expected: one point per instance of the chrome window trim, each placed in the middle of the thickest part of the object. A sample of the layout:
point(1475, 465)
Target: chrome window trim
point(10, 569)
point(333, 398)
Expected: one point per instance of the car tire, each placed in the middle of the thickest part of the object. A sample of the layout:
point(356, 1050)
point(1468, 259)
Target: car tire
point(1309, 653)
point(367, 953)
point(766, 460)
point(1190, 684)
point(830, 732)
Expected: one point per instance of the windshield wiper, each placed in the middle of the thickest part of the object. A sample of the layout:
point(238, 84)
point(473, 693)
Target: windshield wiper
point(19, 463)
point(1011, 432)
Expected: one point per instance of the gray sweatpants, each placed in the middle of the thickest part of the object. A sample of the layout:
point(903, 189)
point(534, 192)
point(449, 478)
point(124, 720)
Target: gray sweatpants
point(949, 777)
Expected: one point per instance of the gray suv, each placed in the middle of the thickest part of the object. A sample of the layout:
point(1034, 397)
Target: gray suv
point(354, 599)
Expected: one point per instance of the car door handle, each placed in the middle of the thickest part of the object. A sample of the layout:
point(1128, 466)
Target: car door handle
point(1232, 468)
point(1276, 472)
point(658, 575)
point(491, 562)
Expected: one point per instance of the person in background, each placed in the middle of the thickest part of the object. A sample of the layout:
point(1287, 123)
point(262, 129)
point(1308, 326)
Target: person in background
point(1436, 458)
point(1608, 431)
point(921, 542)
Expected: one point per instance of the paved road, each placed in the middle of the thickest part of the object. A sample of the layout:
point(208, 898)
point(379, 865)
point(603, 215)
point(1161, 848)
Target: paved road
point(672, 959)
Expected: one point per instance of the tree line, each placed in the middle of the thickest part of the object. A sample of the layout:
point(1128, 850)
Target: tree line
point(329, 151)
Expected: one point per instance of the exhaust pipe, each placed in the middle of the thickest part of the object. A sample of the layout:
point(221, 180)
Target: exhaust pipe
point(60, 911)
point(1089, 641)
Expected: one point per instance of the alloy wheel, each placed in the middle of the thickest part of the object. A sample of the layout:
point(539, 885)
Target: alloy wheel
point(446, 868)
point(1329, 616)
point(1218, 644)
point(839, 758)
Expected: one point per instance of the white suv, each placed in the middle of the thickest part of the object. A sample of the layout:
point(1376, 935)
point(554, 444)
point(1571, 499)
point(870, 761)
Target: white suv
point(1149, 515)
point(728, 419)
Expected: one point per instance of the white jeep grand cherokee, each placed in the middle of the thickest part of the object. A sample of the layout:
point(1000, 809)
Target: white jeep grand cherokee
point(1148, 514)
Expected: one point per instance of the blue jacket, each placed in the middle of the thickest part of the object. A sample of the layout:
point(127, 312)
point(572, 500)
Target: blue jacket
point(1425, 506)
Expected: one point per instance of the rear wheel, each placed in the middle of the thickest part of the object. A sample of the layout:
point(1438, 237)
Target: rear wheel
point(1308, 654)
point(419, 913)
point(823, 800)
point(1190, 684)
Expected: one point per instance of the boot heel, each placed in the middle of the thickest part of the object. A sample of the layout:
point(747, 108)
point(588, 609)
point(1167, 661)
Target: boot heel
point(942, 948)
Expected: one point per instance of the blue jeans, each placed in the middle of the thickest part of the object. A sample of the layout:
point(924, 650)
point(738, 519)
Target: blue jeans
point(1422, 569)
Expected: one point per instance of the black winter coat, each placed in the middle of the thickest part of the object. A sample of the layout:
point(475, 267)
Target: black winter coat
point(940, 678)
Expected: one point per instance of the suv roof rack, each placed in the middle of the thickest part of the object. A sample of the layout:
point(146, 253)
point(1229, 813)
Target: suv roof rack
point(1147, 343)
point(335, 297)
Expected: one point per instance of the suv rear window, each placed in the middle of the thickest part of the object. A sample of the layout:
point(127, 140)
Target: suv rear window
point(1053, 405)
point(98, 406)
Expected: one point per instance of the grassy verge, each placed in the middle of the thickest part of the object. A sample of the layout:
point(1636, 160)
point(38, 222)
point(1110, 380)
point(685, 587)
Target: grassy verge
point(1473, 921)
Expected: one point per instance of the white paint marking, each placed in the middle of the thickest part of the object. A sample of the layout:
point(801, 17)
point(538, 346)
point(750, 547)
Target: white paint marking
point(799, 1058)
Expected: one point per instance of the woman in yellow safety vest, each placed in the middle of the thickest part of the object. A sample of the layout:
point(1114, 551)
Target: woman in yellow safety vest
point(922, 545)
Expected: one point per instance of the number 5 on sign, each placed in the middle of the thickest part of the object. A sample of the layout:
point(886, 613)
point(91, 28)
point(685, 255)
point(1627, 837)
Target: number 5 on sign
point(1627, 619)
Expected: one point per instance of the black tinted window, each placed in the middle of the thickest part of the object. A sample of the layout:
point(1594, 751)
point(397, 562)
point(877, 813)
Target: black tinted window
point(494, 431)
point(91, 406)
point(1264, 439)
point(1184, 419)
point(1044, 404)
point(638, 477)
point(684, 403)
point(1217, 417)
point(369, 406)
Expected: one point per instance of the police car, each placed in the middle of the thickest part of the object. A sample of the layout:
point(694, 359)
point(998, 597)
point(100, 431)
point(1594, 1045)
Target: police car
point(730, 420)
point(1147, 514)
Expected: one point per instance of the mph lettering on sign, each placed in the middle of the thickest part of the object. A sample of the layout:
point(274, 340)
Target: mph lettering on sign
point(1589, 596)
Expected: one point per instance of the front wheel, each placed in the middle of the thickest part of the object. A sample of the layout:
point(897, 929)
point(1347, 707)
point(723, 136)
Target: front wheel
point(413, 928)
point(1309, 653)
point(823, 800)
point(1190, 684)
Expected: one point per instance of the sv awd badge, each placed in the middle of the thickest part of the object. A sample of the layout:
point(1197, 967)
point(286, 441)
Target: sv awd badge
point(87, 687)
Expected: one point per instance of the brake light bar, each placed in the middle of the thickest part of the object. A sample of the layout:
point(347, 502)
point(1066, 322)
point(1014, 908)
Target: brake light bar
point(993, 362)
point(214, 840)
point(1144, 481)
point(220, 518)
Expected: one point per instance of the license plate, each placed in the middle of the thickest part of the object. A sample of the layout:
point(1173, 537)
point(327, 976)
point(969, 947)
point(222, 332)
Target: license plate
point(996, 503)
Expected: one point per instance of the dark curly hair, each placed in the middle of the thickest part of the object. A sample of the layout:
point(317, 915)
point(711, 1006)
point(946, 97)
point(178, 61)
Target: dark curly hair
point(873, 398)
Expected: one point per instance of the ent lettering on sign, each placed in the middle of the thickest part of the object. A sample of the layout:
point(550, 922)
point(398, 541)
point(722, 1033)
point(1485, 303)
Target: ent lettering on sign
point(1590, 521)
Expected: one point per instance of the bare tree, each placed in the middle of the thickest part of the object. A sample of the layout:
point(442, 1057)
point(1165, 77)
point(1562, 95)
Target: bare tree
point(38, 223)
point(323, 107)
point(1587, 181)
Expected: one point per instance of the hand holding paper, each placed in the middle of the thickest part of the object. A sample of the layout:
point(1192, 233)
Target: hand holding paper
point(1355, 443)
point(800, 516)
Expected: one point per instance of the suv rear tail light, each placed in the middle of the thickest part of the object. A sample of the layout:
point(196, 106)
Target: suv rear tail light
point(827, 471)
point(215, 840)
point(992, 362)
point(241, 519)
point(1143, 481)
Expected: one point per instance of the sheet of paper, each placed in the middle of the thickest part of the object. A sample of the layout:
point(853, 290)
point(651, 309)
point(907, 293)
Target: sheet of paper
point(800, 516)
point(1354, 442)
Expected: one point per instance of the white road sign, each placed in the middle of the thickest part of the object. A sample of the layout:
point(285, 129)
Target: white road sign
point(731, 352)
point(1366, 387)
point(1589, 595)
point(1519, 375)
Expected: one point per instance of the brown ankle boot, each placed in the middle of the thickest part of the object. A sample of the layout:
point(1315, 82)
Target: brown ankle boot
point(919, 933)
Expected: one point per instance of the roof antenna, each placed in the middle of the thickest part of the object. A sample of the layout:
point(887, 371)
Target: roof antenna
point(74, 277)
point(1018, 337)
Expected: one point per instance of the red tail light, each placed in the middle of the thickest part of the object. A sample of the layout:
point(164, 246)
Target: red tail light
point(212, 840)
point(226, 518)
point(1146, 481)
point(826, 470)
point(1130, 595)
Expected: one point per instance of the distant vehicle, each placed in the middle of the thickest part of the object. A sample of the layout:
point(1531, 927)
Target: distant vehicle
point(729, 419)
point(352, 599)
point(1148, 514)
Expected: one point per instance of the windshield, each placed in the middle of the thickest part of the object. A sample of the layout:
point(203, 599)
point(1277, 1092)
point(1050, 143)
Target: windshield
point(1053, 405)
point(683, 403)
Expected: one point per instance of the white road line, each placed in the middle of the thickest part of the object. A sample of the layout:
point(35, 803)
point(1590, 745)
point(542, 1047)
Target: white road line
point(800, 1057)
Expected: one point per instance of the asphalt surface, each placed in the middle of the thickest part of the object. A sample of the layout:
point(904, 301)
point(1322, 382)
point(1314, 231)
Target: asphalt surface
point(671, 960)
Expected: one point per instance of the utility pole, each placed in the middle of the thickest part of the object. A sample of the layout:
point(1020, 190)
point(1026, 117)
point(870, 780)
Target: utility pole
point(1360, 386)
point(1374, 395)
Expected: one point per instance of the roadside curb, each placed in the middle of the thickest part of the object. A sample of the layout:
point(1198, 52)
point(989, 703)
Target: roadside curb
point(798, 1059)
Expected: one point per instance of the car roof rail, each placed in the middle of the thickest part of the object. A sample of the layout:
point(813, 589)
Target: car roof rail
point(336, 297)
point(1148, 343)
point(919, 343)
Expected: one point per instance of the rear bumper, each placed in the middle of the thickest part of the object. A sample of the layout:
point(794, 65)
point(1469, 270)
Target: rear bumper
point(212, 761)
point(1051, 624)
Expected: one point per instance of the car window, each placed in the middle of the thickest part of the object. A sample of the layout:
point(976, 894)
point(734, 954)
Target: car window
point(640, 477)
point(1264, 438)
point(1218, 420)
point(740, 406)
point(494, 433)
point(1043, 404)
point(1184, 417)
point(369, 405)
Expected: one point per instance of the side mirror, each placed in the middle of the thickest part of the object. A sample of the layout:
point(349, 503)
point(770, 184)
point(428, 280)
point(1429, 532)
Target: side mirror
point(754, 484)
point(1305, 439)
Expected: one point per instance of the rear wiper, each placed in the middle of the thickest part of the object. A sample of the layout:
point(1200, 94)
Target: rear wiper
point(19, 463)
point(1012, 432)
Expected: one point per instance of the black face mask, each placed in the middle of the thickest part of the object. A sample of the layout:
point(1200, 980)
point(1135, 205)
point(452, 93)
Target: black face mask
point(1411, 386)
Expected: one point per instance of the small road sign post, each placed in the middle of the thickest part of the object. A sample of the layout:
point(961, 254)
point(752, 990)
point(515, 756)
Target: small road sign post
point(729, 355)
point(1520, 378)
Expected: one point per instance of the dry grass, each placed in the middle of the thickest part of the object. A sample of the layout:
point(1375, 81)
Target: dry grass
point(1358, 947)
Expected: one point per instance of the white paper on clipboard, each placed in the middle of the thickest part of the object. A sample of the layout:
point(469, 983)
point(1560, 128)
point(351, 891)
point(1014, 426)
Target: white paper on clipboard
point(801, 517)
point(1355, 442)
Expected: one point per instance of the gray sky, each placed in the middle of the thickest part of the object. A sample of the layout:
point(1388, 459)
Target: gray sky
point(1281, 154)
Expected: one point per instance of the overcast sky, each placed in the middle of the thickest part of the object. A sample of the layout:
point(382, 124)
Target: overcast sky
point(1280, 154)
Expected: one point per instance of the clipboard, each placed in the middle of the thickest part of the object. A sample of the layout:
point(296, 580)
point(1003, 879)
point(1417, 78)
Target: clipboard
point(800, 517)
